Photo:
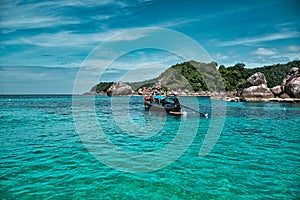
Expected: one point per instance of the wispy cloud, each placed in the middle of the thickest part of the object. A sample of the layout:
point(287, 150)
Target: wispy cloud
point(82, 3)
point(32, 21)
point(64, 38)
point(258, 39)
point(265, 51)
point(71, 39)
point(27, 15)
point(176, 22)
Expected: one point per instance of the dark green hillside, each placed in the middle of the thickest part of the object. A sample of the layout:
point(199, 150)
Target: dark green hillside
point(234, 77)
point(200, 76)
point(192, 75)
point(148, 83)
point(101, 87)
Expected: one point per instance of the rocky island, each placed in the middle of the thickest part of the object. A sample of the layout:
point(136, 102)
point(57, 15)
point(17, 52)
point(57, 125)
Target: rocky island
point(279, 82)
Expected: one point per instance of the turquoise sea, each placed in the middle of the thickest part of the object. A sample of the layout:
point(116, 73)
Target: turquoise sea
point(48, 151)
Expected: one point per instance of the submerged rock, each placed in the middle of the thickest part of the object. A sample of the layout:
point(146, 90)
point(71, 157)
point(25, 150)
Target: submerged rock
point(118, 89)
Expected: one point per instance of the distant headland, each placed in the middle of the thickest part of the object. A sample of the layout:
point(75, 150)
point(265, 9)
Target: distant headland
point(279, 82)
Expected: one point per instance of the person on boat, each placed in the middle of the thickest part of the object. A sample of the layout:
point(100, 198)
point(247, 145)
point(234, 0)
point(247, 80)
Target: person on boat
point(155, 100)
point(163, 102)
point(176, 102)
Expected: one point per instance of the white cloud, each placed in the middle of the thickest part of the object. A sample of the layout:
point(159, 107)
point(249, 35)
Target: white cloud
point(293, 48)
point(128, 37)
point(258, 39)
point(220, 56)
point(261, 57)
point(265, 51)
point(260, 61)
point(176, 22)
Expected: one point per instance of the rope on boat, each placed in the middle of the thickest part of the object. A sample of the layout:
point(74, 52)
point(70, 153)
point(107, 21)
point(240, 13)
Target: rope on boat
point(201, 114)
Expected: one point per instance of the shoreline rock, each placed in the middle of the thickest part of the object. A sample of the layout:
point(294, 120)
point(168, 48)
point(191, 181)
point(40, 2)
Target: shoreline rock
point(257, 79)
point(257, 92)
point(291, 83)
point(277, 90)
point(119, 89)
point(257, 87)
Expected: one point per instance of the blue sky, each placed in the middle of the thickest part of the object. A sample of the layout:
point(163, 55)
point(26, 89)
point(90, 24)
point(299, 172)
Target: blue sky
point(44, 43)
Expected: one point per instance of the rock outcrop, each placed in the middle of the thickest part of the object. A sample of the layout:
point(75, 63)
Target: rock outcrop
point(291, 84)
point(118, 89)
point(277, 90)
point(257, 79)
point(140, 91)
point(284, 96)
point(256, 87)
point(257, 92)
point(293, 87)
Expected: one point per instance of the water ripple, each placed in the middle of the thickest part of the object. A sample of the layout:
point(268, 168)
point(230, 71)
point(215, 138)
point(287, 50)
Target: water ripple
point(42, 156)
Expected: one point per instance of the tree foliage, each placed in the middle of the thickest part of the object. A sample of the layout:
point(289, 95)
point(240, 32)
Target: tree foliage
point(101, 87)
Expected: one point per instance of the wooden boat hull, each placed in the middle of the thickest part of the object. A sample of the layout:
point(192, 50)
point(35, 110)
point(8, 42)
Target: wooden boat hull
point(169, 105)
point(160, 108)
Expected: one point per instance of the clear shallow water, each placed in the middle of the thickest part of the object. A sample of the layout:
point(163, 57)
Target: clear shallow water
point(43, 157)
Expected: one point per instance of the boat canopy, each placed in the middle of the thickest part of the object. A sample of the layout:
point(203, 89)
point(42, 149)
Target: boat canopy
point(158, 97)
point(171, 97)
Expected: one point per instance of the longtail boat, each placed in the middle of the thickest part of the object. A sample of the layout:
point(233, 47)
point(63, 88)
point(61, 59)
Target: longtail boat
point(168, 104)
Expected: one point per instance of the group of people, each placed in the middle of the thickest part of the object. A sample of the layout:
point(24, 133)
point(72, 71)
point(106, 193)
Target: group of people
point(163, 101)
